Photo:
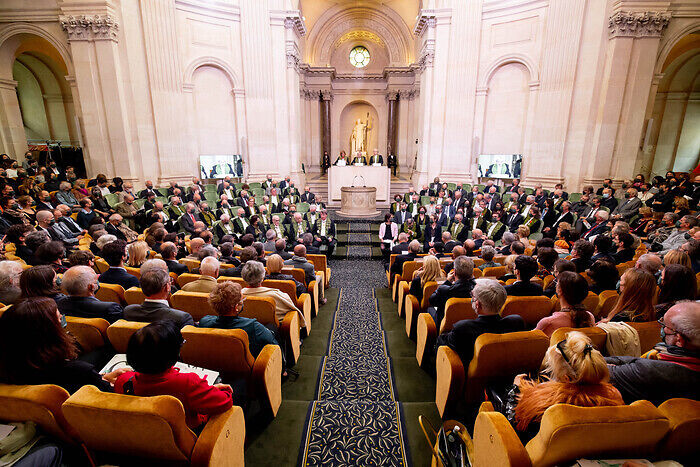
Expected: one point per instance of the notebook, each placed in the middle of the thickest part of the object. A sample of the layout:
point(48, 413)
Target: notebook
point(119, 361)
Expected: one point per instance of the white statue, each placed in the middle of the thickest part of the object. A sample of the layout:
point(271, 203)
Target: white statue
point(359, 139)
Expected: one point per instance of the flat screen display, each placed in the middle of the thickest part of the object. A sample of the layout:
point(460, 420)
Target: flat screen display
point(500, 165)
point(220, 166)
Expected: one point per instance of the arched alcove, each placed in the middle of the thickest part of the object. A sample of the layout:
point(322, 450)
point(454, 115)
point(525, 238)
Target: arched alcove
point(506, 109)
point(355, 110)
point(214, 111)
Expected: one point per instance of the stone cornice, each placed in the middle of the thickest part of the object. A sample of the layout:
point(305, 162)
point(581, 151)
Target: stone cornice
point(291, 19)
point(90, 27)
point(429, 18)
point(638, 24)
point(9, 84)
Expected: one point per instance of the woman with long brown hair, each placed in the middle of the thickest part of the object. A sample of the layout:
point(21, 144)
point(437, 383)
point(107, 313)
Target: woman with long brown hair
point(572, 289)
point(637, 288)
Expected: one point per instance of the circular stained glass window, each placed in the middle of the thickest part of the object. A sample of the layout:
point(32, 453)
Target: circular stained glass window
point(359, 57)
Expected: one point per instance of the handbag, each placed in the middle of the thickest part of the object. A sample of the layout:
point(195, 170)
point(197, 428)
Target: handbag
point(452, 443)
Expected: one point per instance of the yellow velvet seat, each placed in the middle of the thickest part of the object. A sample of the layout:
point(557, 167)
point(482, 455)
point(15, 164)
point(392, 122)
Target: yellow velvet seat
point(134, 296)
point(413, 309)
point(111, 293)
point(312, 288)
point(40, 404)
point(683, 438)
point(320, 263)
point(530, 309)
point(597, 336)
point(456, 309)
point(606, 302)
point(497, 357)
point(409, 267)
point(154, 427)
point(568, 433)
point(136, 272)
point(194, 303)
point(191, 264)
point(496, 271)
point(186, 277)
point(91, 333)
point(302, 302)
point(101, 265)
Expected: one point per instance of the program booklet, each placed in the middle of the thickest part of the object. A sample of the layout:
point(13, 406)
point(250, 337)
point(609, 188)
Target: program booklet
point(119, 361)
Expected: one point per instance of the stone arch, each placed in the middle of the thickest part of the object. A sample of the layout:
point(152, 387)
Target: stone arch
point(670, 43)
point(188, 83)
point(19, 29)
point(524, 60)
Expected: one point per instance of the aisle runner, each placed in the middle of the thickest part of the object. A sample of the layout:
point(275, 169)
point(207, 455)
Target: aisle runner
point(355, 419)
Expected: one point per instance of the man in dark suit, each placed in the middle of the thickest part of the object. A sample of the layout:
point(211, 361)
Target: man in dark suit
point(81, 283)
point(600, 226)
point(307, 196)
point(169, 253)
point(608, 200)
point(155, 284)
point(173, 186)
point(513, 218)
point(392, 163)
point(459, 283)
point(488, 297)
point(376, 158)
point(513, 187)
point(525, 269)
point(564, 216)
point(324, 232)
point(43, 202)
point(457, 229)
point(414, 248)
point(148, 190)
point(115, 254)
point(401, 215)
point(448, 242)
point(188, 219)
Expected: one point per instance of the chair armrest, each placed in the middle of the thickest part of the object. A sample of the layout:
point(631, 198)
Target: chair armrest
point(412, 309)
point(304, 304)
point(486, 406)
point(426, 334)
point(91, 333)
point(289, 328)
point(327, 277)
point(267, 376)
point(496, 442)
point(313, 291)
point(395, 286)
point(403, 289)
point(449, 384)
point(221, 441)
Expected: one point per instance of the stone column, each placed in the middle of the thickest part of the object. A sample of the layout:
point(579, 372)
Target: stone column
point(325, 121)
point(13, 139)
point(393, 124)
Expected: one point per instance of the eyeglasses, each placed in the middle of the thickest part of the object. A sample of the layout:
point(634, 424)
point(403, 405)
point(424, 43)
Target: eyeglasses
point(663, 325)
point(560, 348)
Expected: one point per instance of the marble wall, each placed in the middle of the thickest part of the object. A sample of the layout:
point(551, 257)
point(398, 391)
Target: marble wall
point(577, 87)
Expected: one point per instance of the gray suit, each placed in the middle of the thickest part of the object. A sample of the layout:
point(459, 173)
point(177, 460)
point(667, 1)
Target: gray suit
point(269, 246)
point(628, 208)
point(155, 311)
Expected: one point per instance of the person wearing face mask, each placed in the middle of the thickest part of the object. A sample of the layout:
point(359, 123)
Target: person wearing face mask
point(672, 368)
point(268, 184)
point(422, 217)
point(629, 207)
point(677, 237)
point(488, 296)
point(663, 200)
point(607, 184)
point(396, 205)
point(513, 218)
point(402, 214)
point(11, 212)
point(608, 201)
point(307, 196)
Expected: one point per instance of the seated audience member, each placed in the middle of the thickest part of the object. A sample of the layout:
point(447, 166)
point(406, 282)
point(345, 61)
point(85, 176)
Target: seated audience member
point(169, 252)
point(16, 235)
point(546, 257)
point(572, 289)
point(414, 249)
point(692, 247)
point(80, 284)
point(157, 239)
point(281, 245)
point(81, 258)
point(604, 275)
point(226, 301)
point(459, 284)
point(36, 349)
point(637, 288)
point(138, 254)
point(523, 236)
point(86, 215)
point(673, 369)
point(209, 271)
point(677, 257)
point(560, 266)
point(155, 284)
point(226, 254)
point(247, 254)
point(509, 263)
point(525, 269)
point(195, 245)
point(456, 253)
point(40, 281)
point(487, 254)
point(52, 254)
point(678, 283)
point(575, 374)
point(119, 229)
point(10, 291)
point(624, 252)
point(152, 352)
point(274, 268)
point(429, 272)
point(260, 251)
point(115, 255)
point(488, 297)
point(299, 261)
point(103, 240)
point(603, 245)
point(651, 263)
point(253, 274)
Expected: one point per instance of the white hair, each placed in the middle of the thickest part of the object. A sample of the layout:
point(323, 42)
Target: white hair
point(9, 274)
point(209, 266)
point(105, 239)
point(603, 215)
point(491, 294)
point(77, 280)
point(686, 321)
point(152, 264)
point(253, 272)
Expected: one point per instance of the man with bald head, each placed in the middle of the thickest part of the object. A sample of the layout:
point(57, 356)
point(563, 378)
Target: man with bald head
point(651, 263)
point(80, 284)
point(672, 369)
point(209, 271)
point(299, 261)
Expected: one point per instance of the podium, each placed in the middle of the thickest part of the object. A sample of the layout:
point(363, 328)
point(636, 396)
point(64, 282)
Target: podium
point(365, 176)
point(358, 201)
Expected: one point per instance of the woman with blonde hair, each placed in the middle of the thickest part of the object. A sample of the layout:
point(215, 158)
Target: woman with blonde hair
point(575, 373)
point(430, 271)
point(635, 305)
point(523, 234)
point(274, 264)
point(509, 263)
point(138, 253)
point(681, 207)
point(678, 257)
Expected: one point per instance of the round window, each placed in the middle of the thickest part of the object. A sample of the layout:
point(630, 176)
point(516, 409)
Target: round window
point(359, 57)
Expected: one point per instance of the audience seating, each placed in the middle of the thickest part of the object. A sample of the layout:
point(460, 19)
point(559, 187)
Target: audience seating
point(101, 265)
point(227, 351)
point(154, 427)
point(134, 296)
point(194, 303)
point(121, 331)
point(187, 277)
point(192, 264)
point(530, 309)
point(590, 302)
point(41, 404)
point(682, 440)
point(597, 335)
point(568, 433)
point(497, 359)
point(320, 263)
point(456, 309)
point(409, 267)
point(303, 302)
point(496, 271)
point(90, 333)
point(111, 293)
point(606, 302)
point(649, 335)
point(136, 272)
point(413, 308)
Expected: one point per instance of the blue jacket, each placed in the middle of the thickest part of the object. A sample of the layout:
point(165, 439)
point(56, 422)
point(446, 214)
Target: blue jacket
point(119, 276)
point(258, 335)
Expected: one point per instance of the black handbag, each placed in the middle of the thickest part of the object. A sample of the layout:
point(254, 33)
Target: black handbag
point(451, 445)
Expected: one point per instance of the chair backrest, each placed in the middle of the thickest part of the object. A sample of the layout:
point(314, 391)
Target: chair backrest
point(191, 264)
point(684, 419)
point(153, 427)
point(296, 273)
point(101, 265)
point(477, 273)
point(530, 309)
point(319, 261)
point(477, 261)
point(194, 303)
point(40, 404)
point(134, 296)
point(590, 302)
point(428, 290)
point(110, 293)
point(606, 302)
point(287, 287)
point(649, 334)
point(238, 280)
point(598, 336)
point(499, 357)
point(409, 267)
point(224, 350)
point(133, 271)
point(456, 309)
point(121, 331)
point(260, 308)
point(569, 432)
point(91, 333)
point(185, 278)
point(496, 271)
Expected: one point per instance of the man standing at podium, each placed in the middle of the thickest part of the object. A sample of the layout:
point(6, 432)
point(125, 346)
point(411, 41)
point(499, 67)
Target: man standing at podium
point(359, 159)
point(376, 158)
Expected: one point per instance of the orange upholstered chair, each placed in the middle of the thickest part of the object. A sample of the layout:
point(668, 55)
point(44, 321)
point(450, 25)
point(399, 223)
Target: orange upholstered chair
point(91, 333)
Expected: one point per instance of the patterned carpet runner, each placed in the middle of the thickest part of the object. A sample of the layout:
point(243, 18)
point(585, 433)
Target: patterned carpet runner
point(355, 419)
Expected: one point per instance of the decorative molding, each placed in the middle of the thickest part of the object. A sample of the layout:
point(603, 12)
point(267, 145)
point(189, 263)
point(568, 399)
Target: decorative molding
point(427, 55)
point(90, 28)
point(188, 76)
point(408, 94)
point(310, 94)
point(293, 55)
point(8, 84)
point(290, 19)
point(429, 18)
point(326, 94)
point(638, 24)
point(392, 95)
